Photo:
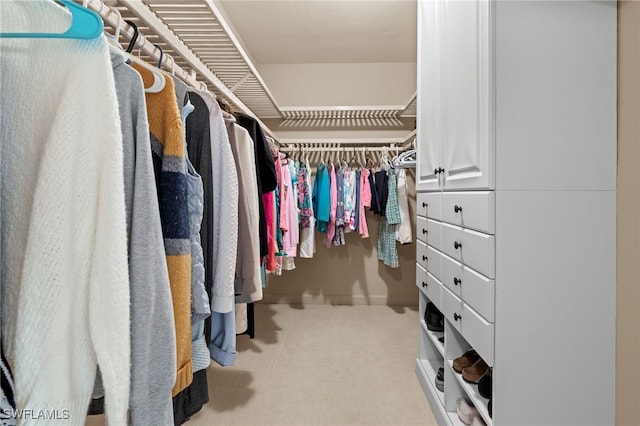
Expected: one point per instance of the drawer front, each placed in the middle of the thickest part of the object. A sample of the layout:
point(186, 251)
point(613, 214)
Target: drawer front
point(429, 204)
point(421, 229)
point(474, 289)
point(452, 308)
point(478, 332)
point(474, 210)
point(421, 254)
point(473, 249)
point(434, 233)
point(434, 262)
point(434, 291)
point(421, 278)
point(429, 286)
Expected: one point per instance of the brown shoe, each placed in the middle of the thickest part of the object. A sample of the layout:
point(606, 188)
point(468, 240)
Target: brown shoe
point(474, 373)
point(466, 360)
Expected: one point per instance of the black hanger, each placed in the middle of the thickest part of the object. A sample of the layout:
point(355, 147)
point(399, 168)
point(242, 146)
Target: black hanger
point(135, 35)
point(161, 55)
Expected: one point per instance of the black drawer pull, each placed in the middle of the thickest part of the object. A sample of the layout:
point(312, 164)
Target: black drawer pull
point(457, 281)
point(424, 284)
point(457, 245)
point(457, 317)
point(424, 231)
point(424, 204)
point(457, 209)
point(424, 258)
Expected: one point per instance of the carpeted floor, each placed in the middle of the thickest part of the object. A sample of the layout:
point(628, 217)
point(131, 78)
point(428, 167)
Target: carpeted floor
point(321, 365)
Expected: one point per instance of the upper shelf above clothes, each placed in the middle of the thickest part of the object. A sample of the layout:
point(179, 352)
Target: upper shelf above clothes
point(196, 34)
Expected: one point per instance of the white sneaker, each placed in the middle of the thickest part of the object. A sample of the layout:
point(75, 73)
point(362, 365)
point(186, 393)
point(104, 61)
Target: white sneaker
point(466, 411)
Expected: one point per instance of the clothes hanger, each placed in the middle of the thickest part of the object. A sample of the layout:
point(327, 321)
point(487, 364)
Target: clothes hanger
point(133, 25)
point(158, 77)
point(85, 25)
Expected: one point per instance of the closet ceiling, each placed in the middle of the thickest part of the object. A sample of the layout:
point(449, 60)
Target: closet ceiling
point(296, 63)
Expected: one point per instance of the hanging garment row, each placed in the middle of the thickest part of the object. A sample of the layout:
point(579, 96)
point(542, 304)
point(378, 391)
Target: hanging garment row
point(335, 204)
point(131, 223)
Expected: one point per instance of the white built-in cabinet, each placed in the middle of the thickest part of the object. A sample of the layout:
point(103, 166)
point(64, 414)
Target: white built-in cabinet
point(516, 138)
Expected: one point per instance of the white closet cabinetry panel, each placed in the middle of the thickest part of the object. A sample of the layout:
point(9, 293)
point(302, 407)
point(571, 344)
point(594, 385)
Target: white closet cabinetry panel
point(455, 109)
point(557, 123)
point(428, 111)
point(519, 156)
point(556, 288)
point(467, 95)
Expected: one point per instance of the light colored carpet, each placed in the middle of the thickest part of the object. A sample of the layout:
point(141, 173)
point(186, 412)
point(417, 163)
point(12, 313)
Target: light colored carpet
point(321, 365)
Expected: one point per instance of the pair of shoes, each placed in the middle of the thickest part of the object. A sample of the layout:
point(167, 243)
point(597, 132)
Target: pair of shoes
point(434, 318)
point(474, 373)
point(466, 360)
point(485, 385)
point(466, 411)
point(440, 379)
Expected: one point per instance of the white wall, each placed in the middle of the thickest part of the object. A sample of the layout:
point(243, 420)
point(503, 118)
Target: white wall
point(340, 84)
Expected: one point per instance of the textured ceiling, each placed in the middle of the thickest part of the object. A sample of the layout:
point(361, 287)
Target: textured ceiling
point(328, 31)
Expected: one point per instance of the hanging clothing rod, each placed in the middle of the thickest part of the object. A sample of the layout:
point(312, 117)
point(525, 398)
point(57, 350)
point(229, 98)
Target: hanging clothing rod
point(347, 150)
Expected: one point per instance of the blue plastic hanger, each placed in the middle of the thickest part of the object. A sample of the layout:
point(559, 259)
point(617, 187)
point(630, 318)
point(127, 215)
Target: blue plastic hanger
point(86, 24)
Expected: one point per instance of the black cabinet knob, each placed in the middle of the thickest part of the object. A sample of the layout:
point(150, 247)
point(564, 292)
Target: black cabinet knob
point(457, 317)
point(424, 284)
point(436, 171)
point(424, 204)
point(457, 245)
point(424, 257)
point(424, 231)
point(457, 209)
point(440, 170)
point(457, 281)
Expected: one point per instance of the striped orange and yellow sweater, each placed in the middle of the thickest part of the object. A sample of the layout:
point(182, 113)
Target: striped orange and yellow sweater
point(168, 148)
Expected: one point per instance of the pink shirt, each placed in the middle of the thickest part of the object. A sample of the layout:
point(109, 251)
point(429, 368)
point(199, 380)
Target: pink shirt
point(365, 201)
point(288, 203)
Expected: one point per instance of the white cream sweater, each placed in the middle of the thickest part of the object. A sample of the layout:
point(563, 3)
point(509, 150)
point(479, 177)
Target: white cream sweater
point(64, 278)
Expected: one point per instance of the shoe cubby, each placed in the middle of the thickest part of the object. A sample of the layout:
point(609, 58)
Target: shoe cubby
point(456, 346)
point(430, 351)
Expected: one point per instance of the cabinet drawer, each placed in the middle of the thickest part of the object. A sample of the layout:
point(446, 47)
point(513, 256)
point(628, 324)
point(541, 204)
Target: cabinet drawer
point(434, 233)
point(421, 229)
point(421, 254)
point(474, 210)
point(478, 332)
point(434, 262)
point(474, 289)
point(429, 204)
point(429, 286)
point(473, 249)
point(429, 232)
point(451, 308)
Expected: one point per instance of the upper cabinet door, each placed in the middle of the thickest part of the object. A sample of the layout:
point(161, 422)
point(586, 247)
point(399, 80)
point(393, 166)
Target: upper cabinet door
point(466, 67)
point(429, 105)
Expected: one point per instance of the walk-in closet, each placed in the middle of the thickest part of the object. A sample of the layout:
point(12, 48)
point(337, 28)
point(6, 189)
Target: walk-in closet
point(319, 212)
